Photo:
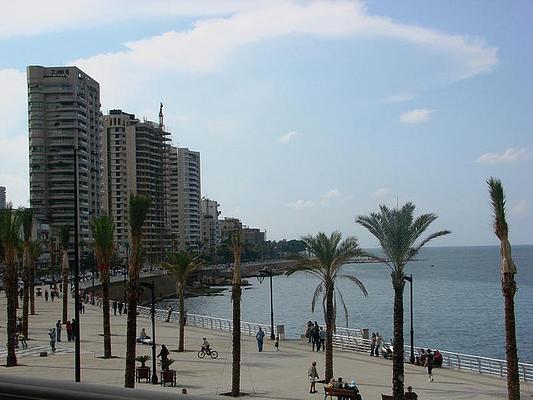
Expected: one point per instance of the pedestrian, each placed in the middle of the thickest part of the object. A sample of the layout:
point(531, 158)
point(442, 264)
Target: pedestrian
point(308, 331)
point(114, 307)
point(52, 294)
point(429, 364)
point(276, 343)
point(260, 335)
point(372, 344)
point(410, 395)
point(185, 317)
point(52, 334)
point(68, 328)
point(120, 305)
point(46, 295)
point(379, 342)
point(163, 354)
point(82, 306)
point(74, 329)
point(58, 330)
point(315, 336)
point(312, 373)
point(22, 340)
point(322, 335)
point(169, 314)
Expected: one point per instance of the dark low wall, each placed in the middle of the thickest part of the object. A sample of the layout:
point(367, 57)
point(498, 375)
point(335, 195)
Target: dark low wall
point(165, 286)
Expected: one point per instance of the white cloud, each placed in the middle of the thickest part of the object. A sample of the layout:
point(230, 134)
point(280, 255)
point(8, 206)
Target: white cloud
point(300, 204)
point(416, 116)
point(381, 192)
point(332, 194)
point(509, 156)
point(520, 209)
point(209, 42)
point(287, 137)
point(399, 98)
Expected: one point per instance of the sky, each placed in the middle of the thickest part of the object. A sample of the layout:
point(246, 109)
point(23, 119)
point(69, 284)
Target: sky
point(306, 113)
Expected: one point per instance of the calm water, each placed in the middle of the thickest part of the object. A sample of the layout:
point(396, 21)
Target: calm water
point(458, 305)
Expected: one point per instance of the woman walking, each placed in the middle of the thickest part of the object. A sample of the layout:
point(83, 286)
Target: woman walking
point(313, 376)
point(429, 364)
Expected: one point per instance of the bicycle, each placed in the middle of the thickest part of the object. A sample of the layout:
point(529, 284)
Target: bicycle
point(203, 352)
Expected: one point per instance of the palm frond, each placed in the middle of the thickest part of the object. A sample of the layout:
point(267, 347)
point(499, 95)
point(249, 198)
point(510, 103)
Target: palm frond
point(497, 196)
point(359, 283)
point(139, 206)
point(316, 295)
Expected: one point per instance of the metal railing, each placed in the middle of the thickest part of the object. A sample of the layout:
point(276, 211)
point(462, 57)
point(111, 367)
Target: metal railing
point(204, 321)
point(352, 340)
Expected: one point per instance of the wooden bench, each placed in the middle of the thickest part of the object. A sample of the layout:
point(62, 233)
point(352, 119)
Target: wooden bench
point(386, 397)
point(345, 393)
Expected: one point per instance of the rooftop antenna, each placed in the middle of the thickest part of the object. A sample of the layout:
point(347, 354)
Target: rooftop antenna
point(161, 115)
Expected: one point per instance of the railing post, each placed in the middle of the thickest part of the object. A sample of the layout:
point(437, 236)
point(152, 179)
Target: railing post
point(458, 362)
point(479, 365)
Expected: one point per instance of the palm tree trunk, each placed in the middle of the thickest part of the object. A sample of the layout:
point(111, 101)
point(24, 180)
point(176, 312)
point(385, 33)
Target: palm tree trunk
point(104, 275)
point(131, 330)
point(32, 288)
point(11, 292)
point(182, 319)
point(397, 355)
point(26, 291)
point(513, 377)
point(236, 342)
point(65, 286)
point(236, 292)
point(328, 373)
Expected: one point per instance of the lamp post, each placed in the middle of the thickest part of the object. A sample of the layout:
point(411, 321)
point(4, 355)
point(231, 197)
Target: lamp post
point(410, 280)
point(77, 366)
point(262, 274)
point(151, 286)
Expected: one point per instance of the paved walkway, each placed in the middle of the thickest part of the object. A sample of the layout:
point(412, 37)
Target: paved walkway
point(267, 375)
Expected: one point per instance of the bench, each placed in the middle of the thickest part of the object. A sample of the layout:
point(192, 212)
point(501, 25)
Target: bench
point(386, 397)
point(345, 393)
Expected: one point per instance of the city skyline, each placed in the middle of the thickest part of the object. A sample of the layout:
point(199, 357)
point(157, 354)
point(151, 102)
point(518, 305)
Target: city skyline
point(307, 113)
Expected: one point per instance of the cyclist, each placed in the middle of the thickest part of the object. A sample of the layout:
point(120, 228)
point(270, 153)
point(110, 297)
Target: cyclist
point(206, 347)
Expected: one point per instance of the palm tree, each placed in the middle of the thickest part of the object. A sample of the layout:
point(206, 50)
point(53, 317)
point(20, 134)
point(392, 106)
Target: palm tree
point(27, 223)
point(180, 265)
point(64, 238)
point(36, 250)
point(138, 210)
point(327, 255)
point(236, 247)
point(103, 231)
point(508, 271)
point(397, 232)
point(10, 224)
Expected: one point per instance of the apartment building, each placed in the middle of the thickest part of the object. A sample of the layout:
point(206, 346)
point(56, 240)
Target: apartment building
point(2, 197)
point(189, 195)
point(210, 226)
point(64, 114)
point(133, 157)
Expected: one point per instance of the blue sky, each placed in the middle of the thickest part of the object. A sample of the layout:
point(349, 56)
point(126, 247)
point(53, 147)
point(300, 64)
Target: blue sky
point(306, 113)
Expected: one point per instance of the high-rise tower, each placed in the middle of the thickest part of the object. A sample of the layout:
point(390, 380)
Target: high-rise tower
point(63, 114)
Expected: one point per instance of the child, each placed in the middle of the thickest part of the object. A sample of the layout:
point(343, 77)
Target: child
point(276, 343)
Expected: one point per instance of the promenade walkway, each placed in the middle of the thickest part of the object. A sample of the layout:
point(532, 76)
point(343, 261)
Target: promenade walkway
point(267, 375)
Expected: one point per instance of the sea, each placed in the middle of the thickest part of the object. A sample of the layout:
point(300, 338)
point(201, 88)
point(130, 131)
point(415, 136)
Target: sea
point(457, 301)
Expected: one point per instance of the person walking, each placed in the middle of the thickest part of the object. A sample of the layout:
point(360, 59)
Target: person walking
point(260, 335)
point(115, 307)
point(372, 344)
point(410, 395)
point(58, 330)
point(308, 331)
point(312, 373)
point(429, 364)
point(322, 335)
point(22, 341)
point(52, 294)
point(46, 295)
point(74, 329)
point(379, 342)
point(316, 337)
point(52, 334)
point(163, 354)
point(68, 328)
point(276, 343)
point(169, 314)
point(120, 305)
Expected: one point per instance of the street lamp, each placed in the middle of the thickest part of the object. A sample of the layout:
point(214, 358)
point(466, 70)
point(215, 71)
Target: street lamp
point(410, 280)
point(151, 286)
point(262, 274)
point(77, 366)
